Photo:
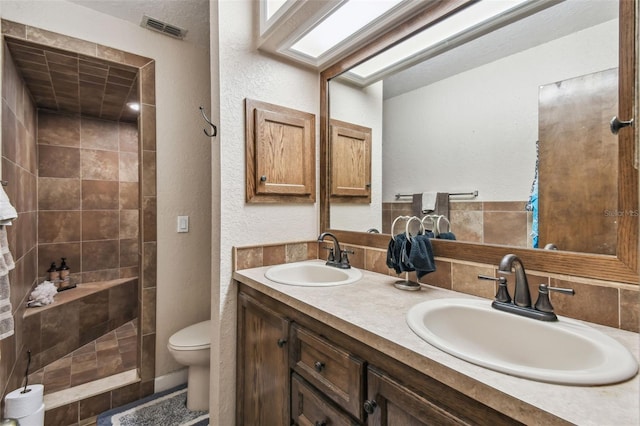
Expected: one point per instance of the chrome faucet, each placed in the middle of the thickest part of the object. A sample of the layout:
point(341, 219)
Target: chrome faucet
point(521, 304)
point(337, 257)
point(521, 295)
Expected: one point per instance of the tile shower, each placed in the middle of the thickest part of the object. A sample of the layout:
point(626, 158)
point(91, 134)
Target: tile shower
point(84, 189)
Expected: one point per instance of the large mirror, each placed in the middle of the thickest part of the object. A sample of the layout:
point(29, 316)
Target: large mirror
point(481, 114)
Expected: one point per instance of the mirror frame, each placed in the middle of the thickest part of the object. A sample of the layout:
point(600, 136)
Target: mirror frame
point(623, 267)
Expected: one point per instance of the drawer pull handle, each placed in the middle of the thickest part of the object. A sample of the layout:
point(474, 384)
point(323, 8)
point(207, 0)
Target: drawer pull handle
point(282, 342)
point(319, 366)
point(370, 406)
point(320, 423)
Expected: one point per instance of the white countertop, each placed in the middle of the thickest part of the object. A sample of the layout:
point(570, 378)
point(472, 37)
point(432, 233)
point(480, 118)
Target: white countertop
point(373, 311)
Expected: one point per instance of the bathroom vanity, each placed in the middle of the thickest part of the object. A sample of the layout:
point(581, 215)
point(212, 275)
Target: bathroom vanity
point(344, 355)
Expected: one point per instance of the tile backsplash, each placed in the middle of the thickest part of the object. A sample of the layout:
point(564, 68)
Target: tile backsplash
point(602, 302)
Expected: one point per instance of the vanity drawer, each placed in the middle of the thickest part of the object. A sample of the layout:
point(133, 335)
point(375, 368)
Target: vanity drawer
point(332, 370)
point(308, 406)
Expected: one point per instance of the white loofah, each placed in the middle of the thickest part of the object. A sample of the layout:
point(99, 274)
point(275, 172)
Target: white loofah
point(43, 294)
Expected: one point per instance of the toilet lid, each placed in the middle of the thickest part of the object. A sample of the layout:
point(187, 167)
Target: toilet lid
point(194, 335)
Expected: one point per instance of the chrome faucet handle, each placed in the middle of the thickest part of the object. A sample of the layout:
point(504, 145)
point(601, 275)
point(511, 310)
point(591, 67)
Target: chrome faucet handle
point(502, 295)
point(543, 304)
point(331, 257)
point(344, 260)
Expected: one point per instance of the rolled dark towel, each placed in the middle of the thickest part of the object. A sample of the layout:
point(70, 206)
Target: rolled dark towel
point(421, 255)
point(446, 236)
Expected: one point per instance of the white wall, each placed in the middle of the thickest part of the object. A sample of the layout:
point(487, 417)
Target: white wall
point(246, 73)
point(364, 108)
point(183, 154)
point(458, 136)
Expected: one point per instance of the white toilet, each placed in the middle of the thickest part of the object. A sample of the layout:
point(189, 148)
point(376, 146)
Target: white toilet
point(191, 346)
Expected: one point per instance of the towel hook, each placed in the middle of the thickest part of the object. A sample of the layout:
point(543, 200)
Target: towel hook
point(213, 126)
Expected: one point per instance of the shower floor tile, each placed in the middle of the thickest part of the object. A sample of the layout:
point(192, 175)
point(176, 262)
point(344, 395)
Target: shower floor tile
point(110, 354)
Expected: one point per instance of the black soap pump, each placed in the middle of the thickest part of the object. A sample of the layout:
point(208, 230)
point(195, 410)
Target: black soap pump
point(53, 275)
point(65, 281)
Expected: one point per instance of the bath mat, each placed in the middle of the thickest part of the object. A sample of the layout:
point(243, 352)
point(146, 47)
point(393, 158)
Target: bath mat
point(163, 408)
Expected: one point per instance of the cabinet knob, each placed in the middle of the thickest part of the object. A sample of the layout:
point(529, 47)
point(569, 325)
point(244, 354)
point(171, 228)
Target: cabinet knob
point(370, 406)
point(615, 125)
point(319, 366)
point(320, 423)
point(282, 342)
point(263, 178)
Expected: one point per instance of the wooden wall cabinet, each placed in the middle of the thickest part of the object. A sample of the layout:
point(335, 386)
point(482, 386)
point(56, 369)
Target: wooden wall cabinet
point(350, 153)
point(280, 154)
point(332, 379)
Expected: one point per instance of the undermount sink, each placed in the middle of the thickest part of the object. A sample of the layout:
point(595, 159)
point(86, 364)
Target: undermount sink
point(564, 352)
point(312, 274)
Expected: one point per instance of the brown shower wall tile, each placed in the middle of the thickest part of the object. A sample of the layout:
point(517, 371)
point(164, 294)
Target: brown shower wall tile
point(58, 194)
point(58, 129)
point(60, 162)
point(100, 195)
point(128, 167)
point(99, 134)
point(148, 113)
point(98, 255)
point(59, 226)
point(149, 173)
point(128, 137)
point(129, 195)
point(100, 165)
point(100, 225)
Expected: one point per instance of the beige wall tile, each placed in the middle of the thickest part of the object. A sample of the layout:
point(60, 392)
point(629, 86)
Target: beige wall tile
point(590, 303)
point(630, 310)
point(464, 278)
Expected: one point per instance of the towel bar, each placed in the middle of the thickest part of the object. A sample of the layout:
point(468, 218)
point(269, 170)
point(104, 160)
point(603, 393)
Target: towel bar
point(455, 194)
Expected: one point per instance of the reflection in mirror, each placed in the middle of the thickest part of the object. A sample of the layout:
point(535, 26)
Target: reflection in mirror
point(468, 119)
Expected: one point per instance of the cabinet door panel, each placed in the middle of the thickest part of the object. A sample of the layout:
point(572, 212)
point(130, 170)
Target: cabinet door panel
point(350, 147)
point(396, 405)
point(282, 157)
point(263, 371)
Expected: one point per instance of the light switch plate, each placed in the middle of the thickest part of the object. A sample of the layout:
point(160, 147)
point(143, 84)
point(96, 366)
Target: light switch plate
point(183, 223)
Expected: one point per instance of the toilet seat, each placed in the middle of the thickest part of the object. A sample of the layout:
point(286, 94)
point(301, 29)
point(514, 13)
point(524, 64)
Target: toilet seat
point(192, 338)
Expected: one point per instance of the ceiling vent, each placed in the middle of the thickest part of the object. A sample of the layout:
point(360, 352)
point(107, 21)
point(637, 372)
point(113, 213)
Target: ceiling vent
point(163, 27)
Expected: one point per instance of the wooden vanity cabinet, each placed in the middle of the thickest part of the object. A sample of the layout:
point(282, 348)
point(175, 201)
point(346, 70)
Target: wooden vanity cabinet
point(263, 365)
point(295, 370)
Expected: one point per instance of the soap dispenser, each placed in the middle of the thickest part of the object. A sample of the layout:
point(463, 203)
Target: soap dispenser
point(53, 275)
point(65, 281)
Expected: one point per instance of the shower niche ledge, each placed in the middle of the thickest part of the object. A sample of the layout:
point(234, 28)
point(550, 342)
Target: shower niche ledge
point(77, 317)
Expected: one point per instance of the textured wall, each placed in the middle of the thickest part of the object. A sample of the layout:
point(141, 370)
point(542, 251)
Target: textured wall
point(246, 73)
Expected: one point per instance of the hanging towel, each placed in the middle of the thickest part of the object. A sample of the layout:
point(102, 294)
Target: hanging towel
point(398, 254)
point(6, 264)
point(421, 255)
point(7, 211)
point(430, 202)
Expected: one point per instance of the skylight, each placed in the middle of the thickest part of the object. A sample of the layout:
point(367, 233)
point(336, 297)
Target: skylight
point(344, 22)
point(467, 18)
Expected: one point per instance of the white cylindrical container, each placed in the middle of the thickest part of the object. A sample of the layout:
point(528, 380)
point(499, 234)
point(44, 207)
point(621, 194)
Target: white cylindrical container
point(26, 407)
